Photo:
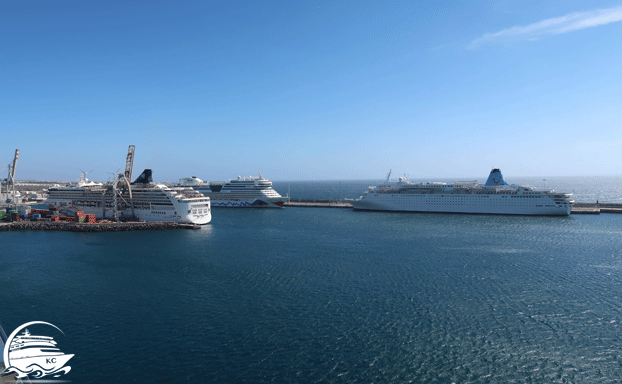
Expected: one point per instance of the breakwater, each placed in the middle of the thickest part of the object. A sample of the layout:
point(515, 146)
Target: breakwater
point(577, 208)
point(317, 203)
point(596, 208)
point(102, 227)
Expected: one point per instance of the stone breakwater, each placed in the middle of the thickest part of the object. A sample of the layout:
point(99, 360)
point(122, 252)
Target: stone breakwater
point(596, 208)
point(317, 203)
point(578, 208)
point(102, 227)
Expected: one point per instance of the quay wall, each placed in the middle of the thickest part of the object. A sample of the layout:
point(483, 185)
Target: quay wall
point(597, 205)
point(317, 203)
point(578, 208)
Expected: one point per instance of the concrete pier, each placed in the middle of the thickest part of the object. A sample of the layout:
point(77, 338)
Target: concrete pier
point(578, 208)
point(317, 203)
point(596, 208)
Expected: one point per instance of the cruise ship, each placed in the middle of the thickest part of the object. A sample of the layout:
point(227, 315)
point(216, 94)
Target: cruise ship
point(494, 197)
point(148, 201)
point(241, 192)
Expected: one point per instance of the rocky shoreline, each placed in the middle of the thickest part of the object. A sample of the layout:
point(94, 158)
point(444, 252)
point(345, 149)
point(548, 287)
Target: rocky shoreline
point(101, 227)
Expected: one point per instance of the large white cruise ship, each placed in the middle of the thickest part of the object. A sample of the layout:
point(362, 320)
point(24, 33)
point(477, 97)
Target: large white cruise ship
point(241, 192)
point(494, 197)
point(149, 201)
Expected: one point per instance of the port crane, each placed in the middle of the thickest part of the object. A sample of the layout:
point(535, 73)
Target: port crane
point(129, 163)
point(124, 178)
point(127, 175)
point(10, 180)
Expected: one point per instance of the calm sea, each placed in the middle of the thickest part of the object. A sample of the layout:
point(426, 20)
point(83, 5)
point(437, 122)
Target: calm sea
point(318, 295)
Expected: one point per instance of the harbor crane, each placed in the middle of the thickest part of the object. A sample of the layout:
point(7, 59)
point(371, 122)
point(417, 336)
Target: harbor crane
point(10, 181)
point(124, 178)
point(129, 163)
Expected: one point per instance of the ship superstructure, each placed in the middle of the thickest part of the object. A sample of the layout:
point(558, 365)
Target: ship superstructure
point(143, 199)
point(493, 197)
point(241, 192)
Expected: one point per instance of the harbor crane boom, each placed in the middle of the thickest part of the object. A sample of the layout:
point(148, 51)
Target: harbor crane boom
point(14, 163)
point(129, 163)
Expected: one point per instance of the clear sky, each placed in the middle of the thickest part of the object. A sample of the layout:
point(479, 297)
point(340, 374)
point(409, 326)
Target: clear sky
point(303, 90)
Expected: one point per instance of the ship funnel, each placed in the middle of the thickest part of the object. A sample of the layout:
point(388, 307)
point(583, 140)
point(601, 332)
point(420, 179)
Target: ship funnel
point(495, 178)
point(144, 177)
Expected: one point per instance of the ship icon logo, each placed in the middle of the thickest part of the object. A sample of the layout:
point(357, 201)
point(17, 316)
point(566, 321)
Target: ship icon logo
point(26, 354)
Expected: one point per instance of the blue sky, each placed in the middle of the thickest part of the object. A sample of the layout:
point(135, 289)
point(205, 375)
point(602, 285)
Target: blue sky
point(303, 90)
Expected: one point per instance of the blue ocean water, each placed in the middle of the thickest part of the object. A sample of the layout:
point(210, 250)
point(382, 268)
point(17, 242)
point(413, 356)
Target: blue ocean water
point(324, 295)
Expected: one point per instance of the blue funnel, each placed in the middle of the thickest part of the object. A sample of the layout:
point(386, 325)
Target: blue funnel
point(495, 178)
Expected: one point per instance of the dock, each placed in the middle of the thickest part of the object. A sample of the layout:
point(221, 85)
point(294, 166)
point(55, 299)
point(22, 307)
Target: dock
point(577, 208)
point(317, 203)
point(100, 227)
point(596, 208)
point(585, 211)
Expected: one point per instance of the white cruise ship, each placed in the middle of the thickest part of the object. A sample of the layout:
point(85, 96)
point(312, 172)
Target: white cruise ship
point(241, 192)
point(150, 201)
point(494, 197)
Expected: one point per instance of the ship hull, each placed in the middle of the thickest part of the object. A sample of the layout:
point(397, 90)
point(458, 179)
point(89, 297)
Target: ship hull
point(237, 200)
point(448, 203)
point(150, 215)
